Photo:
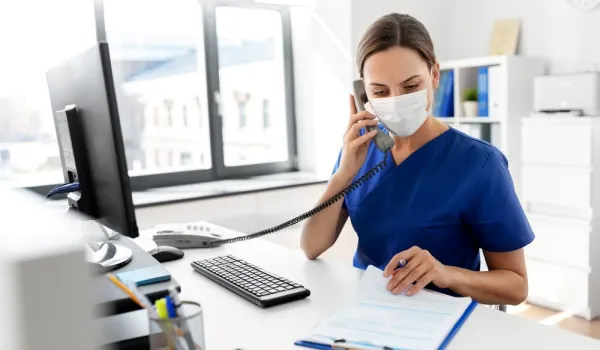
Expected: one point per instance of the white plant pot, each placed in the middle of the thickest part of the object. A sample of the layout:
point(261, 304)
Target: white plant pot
point(470, 108)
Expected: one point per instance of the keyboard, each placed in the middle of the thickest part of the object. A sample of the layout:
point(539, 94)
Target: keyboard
point(249, 281)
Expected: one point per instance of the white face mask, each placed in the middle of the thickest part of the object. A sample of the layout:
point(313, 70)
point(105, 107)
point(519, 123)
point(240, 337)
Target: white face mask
point(402, 115)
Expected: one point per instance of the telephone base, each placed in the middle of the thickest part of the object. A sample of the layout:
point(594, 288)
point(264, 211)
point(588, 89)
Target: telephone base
point(189, 236)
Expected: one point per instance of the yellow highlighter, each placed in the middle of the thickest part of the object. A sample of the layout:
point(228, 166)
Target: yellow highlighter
point(161, 308)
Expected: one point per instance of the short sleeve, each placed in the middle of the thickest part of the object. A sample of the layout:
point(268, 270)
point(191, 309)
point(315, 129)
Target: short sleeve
point(335, 168)
point(495, 214)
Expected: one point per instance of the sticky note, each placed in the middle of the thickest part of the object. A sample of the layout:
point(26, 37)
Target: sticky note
point(145, 276)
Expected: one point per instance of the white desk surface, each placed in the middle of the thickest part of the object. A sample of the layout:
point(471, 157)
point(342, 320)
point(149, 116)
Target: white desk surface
point(231, 322)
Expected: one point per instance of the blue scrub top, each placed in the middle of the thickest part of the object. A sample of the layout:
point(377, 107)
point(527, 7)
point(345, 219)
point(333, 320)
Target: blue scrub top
point(452, 197)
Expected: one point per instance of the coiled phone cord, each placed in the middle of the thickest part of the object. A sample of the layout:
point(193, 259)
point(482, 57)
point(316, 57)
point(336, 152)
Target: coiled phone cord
point(356, 184)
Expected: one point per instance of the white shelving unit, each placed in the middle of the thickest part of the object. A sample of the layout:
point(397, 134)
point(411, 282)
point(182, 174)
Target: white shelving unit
point(513, 99)
point(561, 195)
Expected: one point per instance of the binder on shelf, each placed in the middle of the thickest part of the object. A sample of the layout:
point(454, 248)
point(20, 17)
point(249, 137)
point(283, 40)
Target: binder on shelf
point(482, 91)
point(439, 95)
point(444, 96)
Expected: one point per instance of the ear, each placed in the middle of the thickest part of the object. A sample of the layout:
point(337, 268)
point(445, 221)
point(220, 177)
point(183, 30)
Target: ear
point(435, 75)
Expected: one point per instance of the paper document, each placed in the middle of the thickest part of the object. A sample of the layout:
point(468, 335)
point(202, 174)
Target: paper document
point(379, 319)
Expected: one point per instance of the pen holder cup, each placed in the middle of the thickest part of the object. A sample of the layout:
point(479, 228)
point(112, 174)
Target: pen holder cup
point(184, 332)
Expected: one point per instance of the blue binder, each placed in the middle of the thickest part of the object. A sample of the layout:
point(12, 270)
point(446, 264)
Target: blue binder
point(482, 91)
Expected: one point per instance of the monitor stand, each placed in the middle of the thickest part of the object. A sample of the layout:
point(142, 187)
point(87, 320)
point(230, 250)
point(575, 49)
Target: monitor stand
point(106, 256)
point(102, 251)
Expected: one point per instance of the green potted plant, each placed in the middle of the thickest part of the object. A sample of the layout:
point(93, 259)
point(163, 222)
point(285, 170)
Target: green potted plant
point(470, 102)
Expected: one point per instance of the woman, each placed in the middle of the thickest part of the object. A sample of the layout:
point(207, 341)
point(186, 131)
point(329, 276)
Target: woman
point(442, 195)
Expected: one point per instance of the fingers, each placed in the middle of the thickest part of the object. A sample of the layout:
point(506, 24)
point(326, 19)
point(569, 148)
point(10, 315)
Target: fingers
point(354, 131)
point(356, 143)
point(400, 278)
point(352, 106)
point(421, 283)
point(402, 284)
point(355, 118)
point(406, 255)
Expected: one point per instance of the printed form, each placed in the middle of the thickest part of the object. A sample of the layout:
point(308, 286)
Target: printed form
point(379, 319)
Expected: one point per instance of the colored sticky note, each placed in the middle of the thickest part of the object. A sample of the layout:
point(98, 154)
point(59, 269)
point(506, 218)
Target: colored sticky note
point(146, 275)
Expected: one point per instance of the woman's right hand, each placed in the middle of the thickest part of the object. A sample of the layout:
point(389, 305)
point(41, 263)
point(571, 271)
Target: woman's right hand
point(354, 151)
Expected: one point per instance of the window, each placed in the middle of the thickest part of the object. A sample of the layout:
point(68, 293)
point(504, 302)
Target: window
point(184, 116)
point(169, 108)
point(185, 158)
point(157, 57)
point(33, 41)
point(186, 79)
point(171, 164)
point(241, 101)
point(156, 117)
point(198, 102)
point(252, 69)
point(266, 115)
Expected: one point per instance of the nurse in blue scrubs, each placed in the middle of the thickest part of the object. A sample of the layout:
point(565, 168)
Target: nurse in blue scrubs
point(442, 195)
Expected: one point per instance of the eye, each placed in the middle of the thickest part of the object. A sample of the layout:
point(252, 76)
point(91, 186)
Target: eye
point(411, 87)
point(379, 93)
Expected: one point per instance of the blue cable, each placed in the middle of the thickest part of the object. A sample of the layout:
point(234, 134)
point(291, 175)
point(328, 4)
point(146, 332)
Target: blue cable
point(66, 188)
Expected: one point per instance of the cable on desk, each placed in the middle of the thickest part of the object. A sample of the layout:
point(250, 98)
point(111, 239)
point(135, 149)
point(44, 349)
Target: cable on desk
point(343, 193)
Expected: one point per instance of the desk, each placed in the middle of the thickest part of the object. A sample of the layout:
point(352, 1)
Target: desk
point(231, 322)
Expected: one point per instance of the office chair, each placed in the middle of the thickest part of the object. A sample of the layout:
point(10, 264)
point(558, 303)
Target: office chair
point(500, 307)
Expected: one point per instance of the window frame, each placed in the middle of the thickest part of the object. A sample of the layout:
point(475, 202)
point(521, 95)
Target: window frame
point(212, 67)
point(218, 170)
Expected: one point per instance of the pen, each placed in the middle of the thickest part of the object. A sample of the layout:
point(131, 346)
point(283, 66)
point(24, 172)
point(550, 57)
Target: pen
point(401, 263)
point(170, 307)
point(146, 304)
point(161, 309)
point(124, 288)
point(174, 296)
point(134, 294)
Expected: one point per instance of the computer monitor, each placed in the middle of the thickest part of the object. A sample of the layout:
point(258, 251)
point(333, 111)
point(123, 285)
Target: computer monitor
point(87, 123)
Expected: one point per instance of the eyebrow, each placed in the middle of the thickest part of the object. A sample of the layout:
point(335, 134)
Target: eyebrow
point(383, 85)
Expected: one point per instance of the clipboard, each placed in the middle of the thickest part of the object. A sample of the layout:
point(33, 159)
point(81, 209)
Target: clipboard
point(385, 320)
point(461, 321)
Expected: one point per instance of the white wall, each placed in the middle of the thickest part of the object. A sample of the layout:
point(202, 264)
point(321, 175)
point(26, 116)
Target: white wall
point(432, 13)
point(325, 37)
point(323, 76)
point(550, 28)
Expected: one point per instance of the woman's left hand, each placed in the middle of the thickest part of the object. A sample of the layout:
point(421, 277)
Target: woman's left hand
point(420, 268)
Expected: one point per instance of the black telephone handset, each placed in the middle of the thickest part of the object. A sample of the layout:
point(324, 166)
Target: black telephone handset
point(382, 140)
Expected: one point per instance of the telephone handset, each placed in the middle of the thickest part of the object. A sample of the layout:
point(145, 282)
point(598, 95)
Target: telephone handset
point(382, 140)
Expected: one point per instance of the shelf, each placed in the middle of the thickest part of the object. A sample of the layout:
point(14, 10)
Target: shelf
point(469, 120)
point(478, 120)
point(473, 62)
point(447, 120)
